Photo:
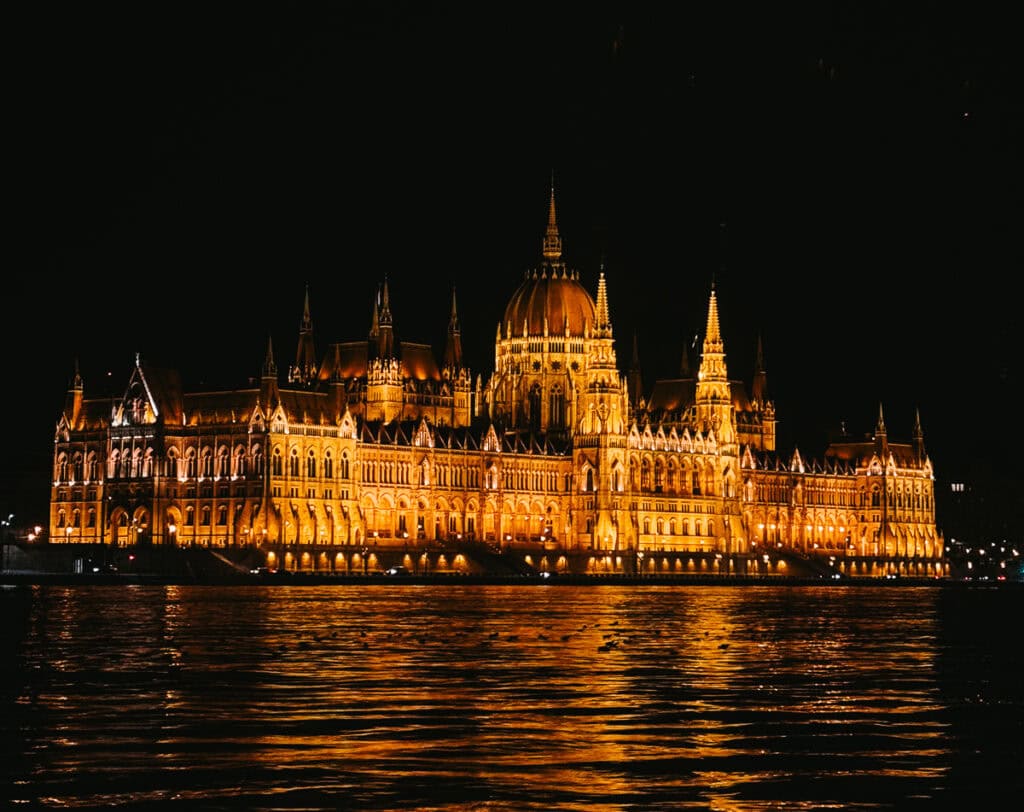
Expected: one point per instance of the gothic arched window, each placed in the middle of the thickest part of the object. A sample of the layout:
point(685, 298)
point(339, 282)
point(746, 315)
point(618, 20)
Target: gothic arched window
point(556, 407)
point(534, 408)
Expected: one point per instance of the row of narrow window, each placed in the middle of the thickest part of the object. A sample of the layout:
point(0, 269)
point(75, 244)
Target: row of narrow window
point(660, 527)
point(139, 464)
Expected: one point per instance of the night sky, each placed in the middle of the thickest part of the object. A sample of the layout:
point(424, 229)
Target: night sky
point(848, 177)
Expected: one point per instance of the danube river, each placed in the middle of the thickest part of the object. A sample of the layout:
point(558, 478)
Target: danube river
point(531, 697)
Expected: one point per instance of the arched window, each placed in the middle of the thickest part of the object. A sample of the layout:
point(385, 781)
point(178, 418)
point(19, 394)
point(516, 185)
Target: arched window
point(222, 515)
point(589, 486)
point(311, 465)
point(223, 462)
point(328, 465)
point(205, 520)
point(206, 464)
point(173, 469)
point(190, 463)
point(556, 408)
point(344, 466)
point(293, 463)
point(276, 463)
point(533, 408)
point(239, 462)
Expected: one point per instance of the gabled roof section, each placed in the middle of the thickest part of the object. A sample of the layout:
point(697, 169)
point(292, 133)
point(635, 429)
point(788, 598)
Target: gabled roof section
point(423, 437)
point(151, 394)
point(347, 425)
point(861, 454)
point(491, 442)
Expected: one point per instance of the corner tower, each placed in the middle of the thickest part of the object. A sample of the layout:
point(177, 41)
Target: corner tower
point(713, 399)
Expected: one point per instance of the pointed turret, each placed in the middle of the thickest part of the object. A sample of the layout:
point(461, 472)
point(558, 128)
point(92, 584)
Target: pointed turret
point(383, 329)
point(712, 332)
point(881, 439)
point(73, 402)
point(714, 395)
point(268, 380)
point(453, 346)
point(604, 321)
point(303, 372)
point(918, 436)
point(375, 319)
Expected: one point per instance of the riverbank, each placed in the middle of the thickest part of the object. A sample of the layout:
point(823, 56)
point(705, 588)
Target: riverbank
point(286, 579)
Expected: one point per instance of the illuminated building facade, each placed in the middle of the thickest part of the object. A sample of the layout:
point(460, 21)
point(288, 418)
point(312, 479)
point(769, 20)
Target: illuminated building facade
point(374, 454)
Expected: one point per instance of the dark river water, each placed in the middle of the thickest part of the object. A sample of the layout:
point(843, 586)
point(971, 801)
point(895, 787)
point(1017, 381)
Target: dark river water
point(538, 697)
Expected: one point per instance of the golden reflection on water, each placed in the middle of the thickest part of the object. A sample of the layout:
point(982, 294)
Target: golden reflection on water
point(541, 694)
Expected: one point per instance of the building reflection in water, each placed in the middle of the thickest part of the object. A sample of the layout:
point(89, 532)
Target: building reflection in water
point(597, 694)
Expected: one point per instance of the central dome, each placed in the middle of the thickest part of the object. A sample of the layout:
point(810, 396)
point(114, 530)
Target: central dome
point(558, 299)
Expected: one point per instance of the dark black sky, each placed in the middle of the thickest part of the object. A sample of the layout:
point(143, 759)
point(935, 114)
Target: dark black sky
point(849, 176)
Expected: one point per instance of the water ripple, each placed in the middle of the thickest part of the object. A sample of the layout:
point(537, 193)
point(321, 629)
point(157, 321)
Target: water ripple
point(488, 697)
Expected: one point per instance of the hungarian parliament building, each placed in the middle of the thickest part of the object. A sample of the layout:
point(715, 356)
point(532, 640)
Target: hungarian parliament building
point(377, 453)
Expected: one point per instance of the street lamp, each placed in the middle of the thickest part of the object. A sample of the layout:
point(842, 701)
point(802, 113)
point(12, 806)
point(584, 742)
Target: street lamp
point(172, 528)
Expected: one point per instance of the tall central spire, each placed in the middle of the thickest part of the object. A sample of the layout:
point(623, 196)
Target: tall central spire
point(552, 240)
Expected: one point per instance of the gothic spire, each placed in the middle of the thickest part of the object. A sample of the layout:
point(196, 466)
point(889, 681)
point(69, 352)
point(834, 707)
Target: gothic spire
point(385, 304)
point(881, 440)
point(918, 434)
point(713, 395)
point(604, 322)
point(268, 384)
point(552, 240)
point(453, 346)
point(304, 370)
point(712, 333)
point(269, 367)
point(384, 331)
